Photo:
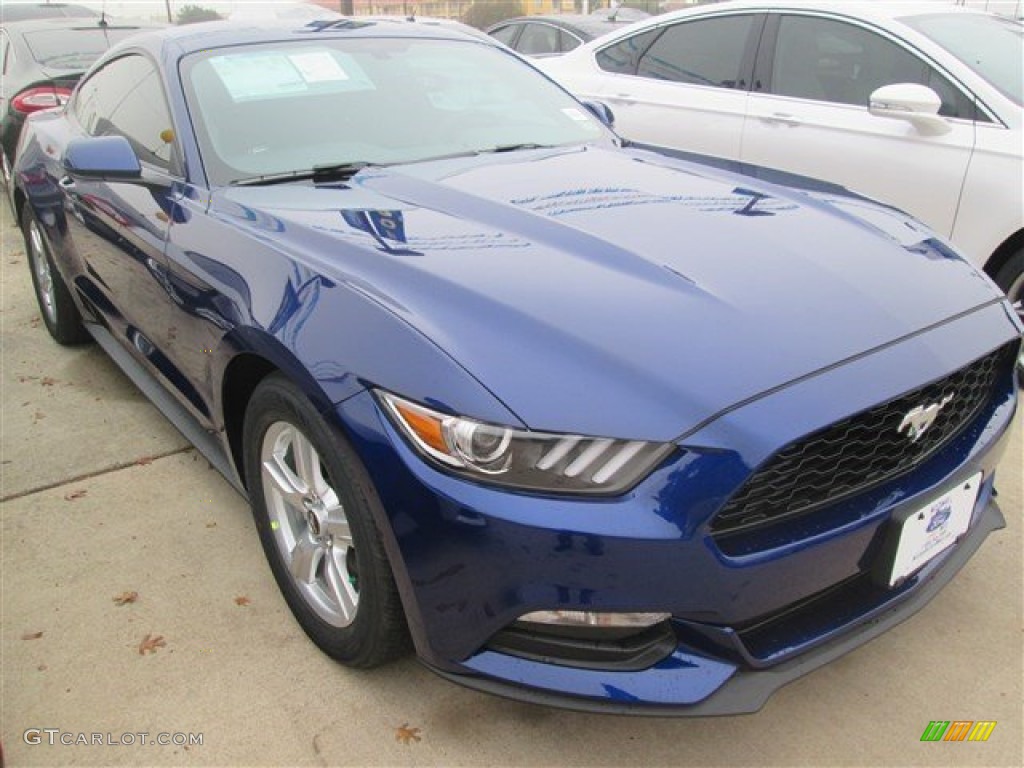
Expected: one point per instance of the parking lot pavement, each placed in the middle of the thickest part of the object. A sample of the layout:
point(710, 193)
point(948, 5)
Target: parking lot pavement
point(101, 498)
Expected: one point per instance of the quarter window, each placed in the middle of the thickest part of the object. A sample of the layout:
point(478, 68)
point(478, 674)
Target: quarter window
point(622, 57)
point(570, 41)
point(842, 63)
point(506, 34)
point(705, 52)
point(538, 39)
point(125, 98)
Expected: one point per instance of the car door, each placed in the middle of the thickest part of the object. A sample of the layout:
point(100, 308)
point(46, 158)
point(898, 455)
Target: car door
point(682, 85)
point(117, 228)
point(808, 114)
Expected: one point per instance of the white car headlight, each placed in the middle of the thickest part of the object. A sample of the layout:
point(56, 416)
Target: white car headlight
point(535, 461)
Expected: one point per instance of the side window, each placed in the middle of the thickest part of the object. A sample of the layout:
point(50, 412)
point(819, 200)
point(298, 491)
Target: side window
point(703, 52)
point(622, 57)
point(842, 63)
point(125, 98)
point(538, 39)
point(506, 34)
point(569, 41)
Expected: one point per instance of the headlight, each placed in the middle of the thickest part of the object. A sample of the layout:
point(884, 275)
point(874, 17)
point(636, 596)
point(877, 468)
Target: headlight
point(535, 461)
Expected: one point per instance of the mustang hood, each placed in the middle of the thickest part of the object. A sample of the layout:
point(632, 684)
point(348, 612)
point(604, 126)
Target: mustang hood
point(623, 274)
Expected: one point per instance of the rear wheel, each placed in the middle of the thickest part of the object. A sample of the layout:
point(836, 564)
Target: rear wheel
point(61, 316)
point(314, 507)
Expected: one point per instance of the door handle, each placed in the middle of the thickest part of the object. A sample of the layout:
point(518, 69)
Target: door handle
point(622, 98)
point(782, 117)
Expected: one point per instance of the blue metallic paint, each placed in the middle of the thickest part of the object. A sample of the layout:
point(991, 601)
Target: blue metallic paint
point(590, 290)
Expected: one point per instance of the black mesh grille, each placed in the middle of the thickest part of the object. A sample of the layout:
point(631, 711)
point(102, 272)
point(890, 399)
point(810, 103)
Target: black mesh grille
point(859, 452)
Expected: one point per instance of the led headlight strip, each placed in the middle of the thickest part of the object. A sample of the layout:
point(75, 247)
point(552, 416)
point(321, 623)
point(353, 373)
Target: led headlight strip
point(536, 461)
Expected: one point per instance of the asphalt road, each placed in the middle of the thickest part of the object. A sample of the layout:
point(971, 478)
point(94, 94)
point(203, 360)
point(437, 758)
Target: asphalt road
point(100, 497)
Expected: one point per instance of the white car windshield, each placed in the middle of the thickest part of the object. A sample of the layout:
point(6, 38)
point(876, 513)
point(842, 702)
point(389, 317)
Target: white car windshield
point(992, 46)
point(289, 107)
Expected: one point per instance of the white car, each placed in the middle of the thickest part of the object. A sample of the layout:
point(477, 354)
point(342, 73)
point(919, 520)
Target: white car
point(918, 105)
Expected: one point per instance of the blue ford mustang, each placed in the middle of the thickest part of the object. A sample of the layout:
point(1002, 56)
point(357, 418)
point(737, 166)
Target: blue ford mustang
point(580, 422)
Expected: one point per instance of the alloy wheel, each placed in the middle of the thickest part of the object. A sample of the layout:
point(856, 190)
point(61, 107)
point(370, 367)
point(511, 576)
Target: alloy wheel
point(8, 179)
point(309, 524)
point(41, 266)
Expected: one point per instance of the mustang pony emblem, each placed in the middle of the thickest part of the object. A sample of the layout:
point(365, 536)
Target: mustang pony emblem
point(917, 421)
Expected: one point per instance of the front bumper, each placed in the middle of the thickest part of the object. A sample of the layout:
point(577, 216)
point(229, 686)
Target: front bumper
point(747, 618)
point(714, 687)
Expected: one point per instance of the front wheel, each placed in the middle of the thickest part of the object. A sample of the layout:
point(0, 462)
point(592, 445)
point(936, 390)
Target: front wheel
point(314, 507)
point(62, 318)
point(1010, 278)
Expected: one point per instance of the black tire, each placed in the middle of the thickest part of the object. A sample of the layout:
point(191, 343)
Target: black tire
point(1010, 277)
point(8, 182)
point(333, 517)
point(61, 316)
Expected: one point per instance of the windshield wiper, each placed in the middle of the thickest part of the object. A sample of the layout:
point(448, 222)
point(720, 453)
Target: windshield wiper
point(515, 147)
point(318, 173)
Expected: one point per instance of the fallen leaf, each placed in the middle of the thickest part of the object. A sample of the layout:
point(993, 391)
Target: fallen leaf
point(144, 461)
point(407, 735)
point(42, 667)
point(242, 600)
point(150, 643)
point(126, 597)
point(26, 379)
point(75, 494)
point(211, 525)
point(31, 635)
point(38, 415)
point(48, 381)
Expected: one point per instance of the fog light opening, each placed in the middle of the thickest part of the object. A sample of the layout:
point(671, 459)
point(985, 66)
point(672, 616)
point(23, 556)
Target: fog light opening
point(603, 623)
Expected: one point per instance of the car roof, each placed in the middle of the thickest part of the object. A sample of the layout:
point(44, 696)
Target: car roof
point(863, 9)
point(14, 12)
point(591, 26)
point(75, 23)
point(219, 34)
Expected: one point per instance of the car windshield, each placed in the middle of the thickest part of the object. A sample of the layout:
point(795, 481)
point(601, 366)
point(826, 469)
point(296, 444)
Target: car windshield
point(993, 46)
point(279, 108)
point(74, 49)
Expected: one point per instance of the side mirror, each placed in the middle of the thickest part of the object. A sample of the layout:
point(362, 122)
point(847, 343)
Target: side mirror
point(101, 157)
point(915, 103)
point(601, 111)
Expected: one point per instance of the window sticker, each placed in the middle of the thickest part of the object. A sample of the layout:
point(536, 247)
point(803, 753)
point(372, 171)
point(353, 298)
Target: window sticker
point(318, 67)
point(258, 75)
point(270, 74)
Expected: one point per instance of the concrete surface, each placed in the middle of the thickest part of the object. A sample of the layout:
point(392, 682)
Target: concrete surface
point(100, 496)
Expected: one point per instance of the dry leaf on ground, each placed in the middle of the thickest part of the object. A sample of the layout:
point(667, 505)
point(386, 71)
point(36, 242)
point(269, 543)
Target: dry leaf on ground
point(407, 735)
point(150, 643)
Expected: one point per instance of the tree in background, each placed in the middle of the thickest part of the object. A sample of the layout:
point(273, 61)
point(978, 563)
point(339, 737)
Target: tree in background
point(190, 14)
point(484, 13)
